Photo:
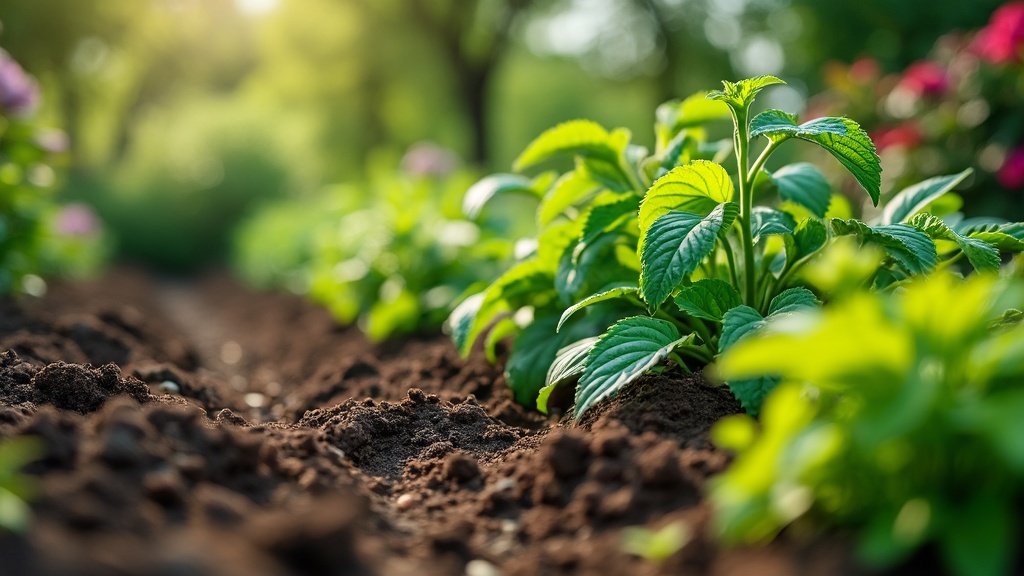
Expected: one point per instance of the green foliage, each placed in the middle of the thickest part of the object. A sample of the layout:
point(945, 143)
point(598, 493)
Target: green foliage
point(390, 254)
point(15, 487)
point(672, 233)
point(656, 545)
point(898, 418)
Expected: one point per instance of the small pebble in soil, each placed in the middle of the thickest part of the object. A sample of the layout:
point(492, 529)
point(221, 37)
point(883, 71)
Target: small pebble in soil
point(255, 400)
point(170, 387)
point(404, 502)
point(480, 567)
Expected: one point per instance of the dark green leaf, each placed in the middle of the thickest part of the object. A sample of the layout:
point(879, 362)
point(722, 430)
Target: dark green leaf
point(675, 246)
point(608, 294)
point(809, 237)
point(604, 217)
point(752, 391)
point(912, 200)
point(793, 300)
point(627, 350)
point(982, 255)
point(532, 354)
point(569, 363)
point(738, 322)
point(913, 249)
point(802, 183)
point(708, 299)
point(766, 221)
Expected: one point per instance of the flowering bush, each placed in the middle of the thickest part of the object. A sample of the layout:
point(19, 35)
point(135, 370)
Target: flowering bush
point(961, 107)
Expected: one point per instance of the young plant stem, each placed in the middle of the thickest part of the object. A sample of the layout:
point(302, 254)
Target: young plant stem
point(741, 139)
point(731, 260)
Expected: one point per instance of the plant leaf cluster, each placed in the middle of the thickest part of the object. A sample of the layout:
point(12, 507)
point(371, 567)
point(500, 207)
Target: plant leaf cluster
point(644, 258)
point(898, 418)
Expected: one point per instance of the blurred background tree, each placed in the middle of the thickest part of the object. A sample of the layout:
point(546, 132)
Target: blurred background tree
point(184, 115)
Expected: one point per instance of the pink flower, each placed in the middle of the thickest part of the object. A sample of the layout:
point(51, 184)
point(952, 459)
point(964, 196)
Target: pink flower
point(1011, 175)
point(906, 135)
point(865, 70)
point(77, 219)
point(19, 94)
point(427, 159)
point(1000, 42)
point(925, 78)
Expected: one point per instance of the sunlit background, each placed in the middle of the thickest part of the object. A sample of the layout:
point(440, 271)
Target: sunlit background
point(183, 116)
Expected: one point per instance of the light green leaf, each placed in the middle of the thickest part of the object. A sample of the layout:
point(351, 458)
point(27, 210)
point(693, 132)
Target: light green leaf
point(803, 184)
point(740, 94)
point(482, 192)
point(532, 354)
point(608, 174)
point(738, 322)
point(675, 246)
point(842, 137)
point(569, 363)
point(793, 300)
point(766, 221)
point(708, 299)
point(572, 188)
point(582, 137)
point(982, 255)
point(697, 187)
point(697, 109)
point(913, 249)
point(809, 237)
point(608, 294)
point(913, 199)
point(627, 350)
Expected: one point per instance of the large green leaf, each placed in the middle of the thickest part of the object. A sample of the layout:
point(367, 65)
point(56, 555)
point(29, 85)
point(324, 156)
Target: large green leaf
point(982, 255)
point(912, 200)
point(533, 351)
point(572, 188)
point(675, 246)
point(842, 137)
point(582, 137)
point(627, 350)
point(793, 300)
point(740, 94)
point(569, 363)
point(809, 237)
point(739, 322)
point(913, 249)
point(765, 221)
point(697, 187)
point(803, 184)
point(708, 299)
point(482, 192)
point(607, 294)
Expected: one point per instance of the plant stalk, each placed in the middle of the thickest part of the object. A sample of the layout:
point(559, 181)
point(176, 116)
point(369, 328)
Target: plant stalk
point(741, 136)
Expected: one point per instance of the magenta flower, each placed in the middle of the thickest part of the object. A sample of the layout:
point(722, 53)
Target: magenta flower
point(906, 135)
point(1011, 174)
point(19, 94)
point(1000, 42)
point(925, 78)
point(77, 219)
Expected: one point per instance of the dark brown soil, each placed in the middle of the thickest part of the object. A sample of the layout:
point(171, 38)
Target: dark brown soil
point(202, 429)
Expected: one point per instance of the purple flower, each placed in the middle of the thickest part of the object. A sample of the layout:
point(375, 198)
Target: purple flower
point(19, 93)
point(1011, 174)
point(1000, 42)
point(77, 219)
point(427, 159)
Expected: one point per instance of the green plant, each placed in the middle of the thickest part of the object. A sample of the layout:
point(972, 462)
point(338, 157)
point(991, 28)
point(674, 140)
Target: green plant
point(656, 545)
point(673, 258)
point(898, 418)
point(15, 487)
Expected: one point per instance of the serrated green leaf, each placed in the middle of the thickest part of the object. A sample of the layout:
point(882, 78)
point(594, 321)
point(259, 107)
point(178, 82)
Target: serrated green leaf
point(603, 217)
point(608, 294)
point(809, 237)
point(675, 246)
point(708, 299)
point(803, 184)
point(913, 249)
point(697, 187)
point(793, 300)
point(766, 221)
point(483, 191)
point(739, 322)
point(627, 350)
point(572, 188)
point(532, 354)
point(913, 199)
point(582, 137)
point(982, 255)
point(842, 137)
point(697, 109)
point(741, 94)
point(569, 363)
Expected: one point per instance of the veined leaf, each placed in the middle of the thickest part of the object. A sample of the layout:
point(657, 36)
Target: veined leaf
point(480, 194)
point(913, 199)
point(793, 300)
point(602, 217)
point(842, 137)
point(741, 94)
point(570, 360)
point(751, 392)
point(697, 187)
point(606, 173)
point(532, 354)
point(803, 184)
point(913, 249)
point(675, 245)
point(582, 137)
point(608, 294)
point(739, 322)
point(766, 221)
point(982, 255)
point(708, 299)
point(572, 188)
point(697, 109)
point(809, 237)
point(627, 350)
